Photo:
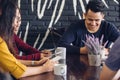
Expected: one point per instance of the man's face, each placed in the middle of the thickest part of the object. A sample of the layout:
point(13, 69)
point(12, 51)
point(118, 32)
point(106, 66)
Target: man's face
point(93, 20)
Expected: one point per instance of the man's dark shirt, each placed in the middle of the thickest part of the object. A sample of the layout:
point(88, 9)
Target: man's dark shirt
point(78, 31)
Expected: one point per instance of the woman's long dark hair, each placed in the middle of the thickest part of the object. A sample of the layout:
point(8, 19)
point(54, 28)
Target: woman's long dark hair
point(6, 19)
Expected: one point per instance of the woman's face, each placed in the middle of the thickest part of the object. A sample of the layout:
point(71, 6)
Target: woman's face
point(17, 21)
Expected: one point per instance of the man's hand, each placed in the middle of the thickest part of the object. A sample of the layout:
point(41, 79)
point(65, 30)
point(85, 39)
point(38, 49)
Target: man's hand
point(83, 50)
point(94, 45)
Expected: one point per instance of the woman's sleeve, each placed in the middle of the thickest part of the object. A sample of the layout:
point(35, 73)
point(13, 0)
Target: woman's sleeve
point(35, 56)
point(9, 63)
point(30, 52)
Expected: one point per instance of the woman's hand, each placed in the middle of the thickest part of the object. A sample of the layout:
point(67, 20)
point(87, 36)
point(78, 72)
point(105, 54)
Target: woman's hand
point(46, 53)
point(42, 61)
point(48, 66)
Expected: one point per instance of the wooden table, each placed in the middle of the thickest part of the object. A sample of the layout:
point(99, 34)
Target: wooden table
point(77, 69)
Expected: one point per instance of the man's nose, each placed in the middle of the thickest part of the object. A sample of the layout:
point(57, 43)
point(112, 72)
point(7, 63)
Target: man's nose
point(93, 23)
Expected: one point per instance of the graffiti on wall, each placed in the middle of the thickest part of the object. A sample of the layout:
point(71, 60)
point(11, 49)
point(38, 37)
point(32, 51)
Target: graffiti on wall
point(41, 8)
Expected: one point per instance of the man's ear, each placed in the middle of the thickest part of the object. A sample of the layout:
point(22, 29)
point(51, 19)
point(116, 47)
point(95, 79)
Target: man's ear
point(103, 15)
point(83, 15)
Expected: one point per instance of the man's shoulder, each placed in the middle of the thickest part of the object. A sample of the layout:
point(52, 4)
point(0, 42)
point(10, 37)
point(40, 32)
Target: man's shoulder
point(107, 25)
point(77, 24)
point(104, 22)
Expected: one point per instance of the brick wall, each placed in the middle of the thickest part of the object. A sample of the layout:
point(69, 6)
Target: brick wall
point(38, 25)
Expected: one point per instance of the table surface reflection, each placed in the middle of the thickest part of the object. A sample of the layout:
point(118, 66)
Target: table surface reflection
point(77, 69)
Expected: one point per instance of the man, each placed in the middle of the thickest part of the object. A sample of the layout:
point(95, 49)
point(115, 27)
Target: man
point(93, 24)
point(112, 64)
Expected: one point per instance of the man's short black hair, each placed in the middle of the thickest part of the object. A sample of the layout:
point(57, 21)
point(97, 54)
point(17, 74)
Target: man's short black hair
point(95, 6)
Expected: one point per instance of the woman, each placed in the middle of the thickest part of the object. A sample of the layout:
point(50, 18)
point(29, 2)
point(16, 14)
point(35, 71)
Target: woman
point(29, 53)
point(7, 60)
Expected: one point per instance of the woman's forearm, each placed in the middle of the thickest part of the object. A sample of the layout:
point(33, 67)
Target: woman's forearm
point(33, 63)
point(26, 62)
point(46, 67)
point(33, 71)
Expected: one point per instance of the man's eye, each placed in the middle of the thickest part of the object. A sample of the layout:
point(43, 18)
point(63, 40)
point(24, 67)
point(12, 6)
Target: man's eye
point(90, 19)
point(97, 20)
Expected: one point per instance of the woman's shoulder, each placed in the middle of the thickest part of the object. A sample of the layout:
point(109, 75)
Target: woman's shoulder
point(1, 39)
point(3, 44)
